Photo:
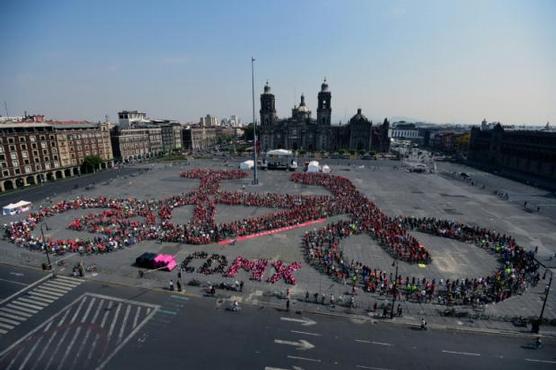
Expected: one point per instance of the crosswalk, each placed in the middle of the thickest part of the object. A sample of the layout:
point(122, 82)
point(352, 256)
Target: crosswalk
point(85, 334)
point(29, 303)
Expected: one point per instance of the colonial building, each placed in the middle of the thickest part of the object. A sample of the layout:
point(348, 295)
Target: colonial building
point(132, 143)
point(530, 152)
point(31, 153)
point(77, 140)
point(301, 131)
point(196, 137)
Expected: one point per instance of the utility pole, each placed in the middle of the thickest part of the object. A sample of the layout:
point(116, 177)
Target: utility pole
point(394, 289)
point(46, 248)
point(539, 320)
point(255, 178)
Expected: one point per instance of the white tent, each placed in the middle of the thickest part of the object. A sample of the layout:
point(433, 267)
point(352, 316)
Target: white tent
point(279, 152)
point(313, 166)
point(15, 208)
point(325, 169)
point(247, 165)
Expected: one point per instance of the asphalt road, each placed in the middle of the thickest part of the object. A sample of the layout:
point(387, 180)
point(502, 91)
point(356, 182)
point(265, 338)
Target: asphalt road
point(66, 323)
point(50, 189)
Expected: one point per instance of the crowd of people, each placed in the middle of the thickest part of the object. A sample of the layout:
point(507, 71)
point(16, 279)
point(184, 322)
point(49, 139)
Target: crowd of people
point(322, 251)
point(124, 222)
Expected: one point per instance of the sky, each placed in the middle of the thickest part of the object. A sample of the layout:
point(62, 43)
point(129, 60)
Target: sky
point(436, 61)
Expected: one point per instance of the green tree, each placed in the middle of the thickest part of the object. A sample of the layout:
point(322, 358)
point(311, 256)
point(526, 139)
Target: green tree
point(248, 132)
point(91, 163)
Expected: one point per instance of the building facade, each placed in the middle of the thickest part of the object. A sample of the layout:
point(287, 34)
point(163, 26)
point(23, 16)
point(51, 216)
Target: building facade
point(197, 137)
point(301, 131)
point(32, 153)
point(134, 143)
point(530, 152)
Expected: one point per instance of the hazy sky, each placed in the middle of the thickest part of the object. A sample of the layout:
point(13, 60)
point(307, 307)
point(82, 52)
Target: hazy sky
point(441, 61)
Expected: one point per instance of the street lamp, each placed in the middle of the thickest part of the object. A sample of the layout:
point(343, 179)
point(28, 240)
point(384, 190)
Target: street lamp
point(394, 288)
point(46, 247)
point(546, 293)
point(255, 178)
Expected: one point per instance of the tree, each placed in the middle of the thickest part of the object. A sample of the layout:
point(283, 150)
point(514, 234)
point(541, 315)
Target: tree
point(248, 132)
point(91, 163)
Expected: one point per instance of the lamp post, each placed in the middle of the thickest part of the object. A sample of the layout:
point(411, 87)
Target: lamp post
point(255, 178)
point(394, 289)
point(547, 292)
point(45, 248)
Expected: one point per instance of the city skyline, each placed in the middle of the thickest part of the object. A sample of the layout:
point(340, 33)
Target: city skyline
point(456, 62)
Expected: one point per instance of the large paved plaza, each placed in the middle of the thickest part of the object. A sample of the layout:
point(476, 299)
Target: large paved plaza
point(394, 190)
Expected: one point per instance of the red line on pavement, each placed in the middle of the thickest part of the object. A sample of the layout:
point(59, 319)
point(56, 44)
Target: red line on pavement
point(270, 232)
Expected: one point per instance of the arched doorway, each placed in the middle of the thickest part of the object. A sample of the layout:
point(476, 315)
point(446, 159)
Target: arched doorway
point(8, 185)
point(19, 183)
point(50, 176)
point(67, 171)
point(31, 180)
point(59, 174)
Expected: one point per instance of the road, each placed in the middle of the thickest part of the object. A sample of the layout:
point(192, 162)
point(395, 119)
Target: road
point(66, 323)
point(40, 192)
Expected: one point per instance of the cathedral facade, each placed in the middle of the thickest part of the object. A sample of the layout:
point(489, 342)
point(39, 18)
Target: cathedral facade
point(301, 131)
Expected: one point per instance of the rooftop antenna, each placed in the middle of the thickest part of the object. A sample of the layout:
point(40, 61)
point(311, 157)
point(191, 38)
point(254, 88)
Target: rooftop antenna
point(6, 108)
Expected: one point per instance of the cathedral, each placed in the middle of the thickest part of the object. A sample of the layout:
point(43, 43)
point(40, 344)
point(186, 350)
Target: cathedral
point(301, 131)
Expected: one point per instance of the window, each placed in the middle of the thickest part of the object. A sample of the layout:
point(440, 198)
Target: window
point(24, 154)
point(46, 158)
point(32, 139)
point(11, 140)
point(34, 146)
point(13, 155)
point(47, 166)
point(17, 171)
point(28, 169)
point(1, 149)
point(26, 161)
point(43, 145)
point(15, 163)
point(36, 153)
point(52, 137)
point(6, 173)
point(37, 167)
point(56, 164)
point(12, 148)
point(43, 137)
point(21, 139)
point(37, 160)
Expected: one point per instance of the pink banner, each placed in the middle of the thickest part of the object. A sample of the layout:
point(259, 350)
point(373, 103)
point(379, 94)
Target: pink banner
point(270, 232)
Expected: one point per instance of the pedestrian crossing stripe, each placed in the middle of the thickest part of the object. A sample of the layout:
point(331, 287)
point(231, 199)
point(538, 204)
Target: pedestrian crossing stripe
point(29, 302)
point(71, 336)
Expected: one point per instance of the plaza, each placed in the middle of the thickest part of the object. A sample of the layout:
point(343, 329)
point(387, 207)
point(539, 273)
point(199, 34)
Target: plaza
point(395, 191)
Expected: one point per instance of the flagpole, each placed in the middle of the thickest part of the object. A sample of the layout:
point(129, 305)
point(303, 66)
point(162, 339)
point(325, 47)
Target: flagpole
point(255, 178)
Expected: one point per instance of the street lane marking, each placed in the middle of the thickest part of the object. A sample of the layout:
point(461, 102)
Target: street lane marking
point(304, 358)
point(40, 299)
point(372, 367)
point(45, 286)
point(24, 314)
point(6, 326)
point(20, 306)
point(70, 279)
point(165, 312)
point(180, 297)
point(32, 302)
point(48, 292)
point(57, 285)
point(374, 342)
point(122, 328)
point(13, 282)
point(8, 321)
point(461, 353)
point(15, 317)
point(542, 361)
point(65, 283)
point(305, 333)
point(25, 289)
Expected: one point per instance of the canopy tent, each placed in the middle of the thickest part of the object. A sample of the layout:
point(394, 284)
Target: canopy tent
point(247, 165)
point(313, 166)
point(16, 208)
point(279, 152)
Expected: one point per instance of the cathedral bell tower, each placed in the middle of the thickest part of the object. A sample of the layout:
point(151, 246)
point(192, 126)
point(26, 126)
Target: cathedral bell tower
point(268, 107)
point(324, 110)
